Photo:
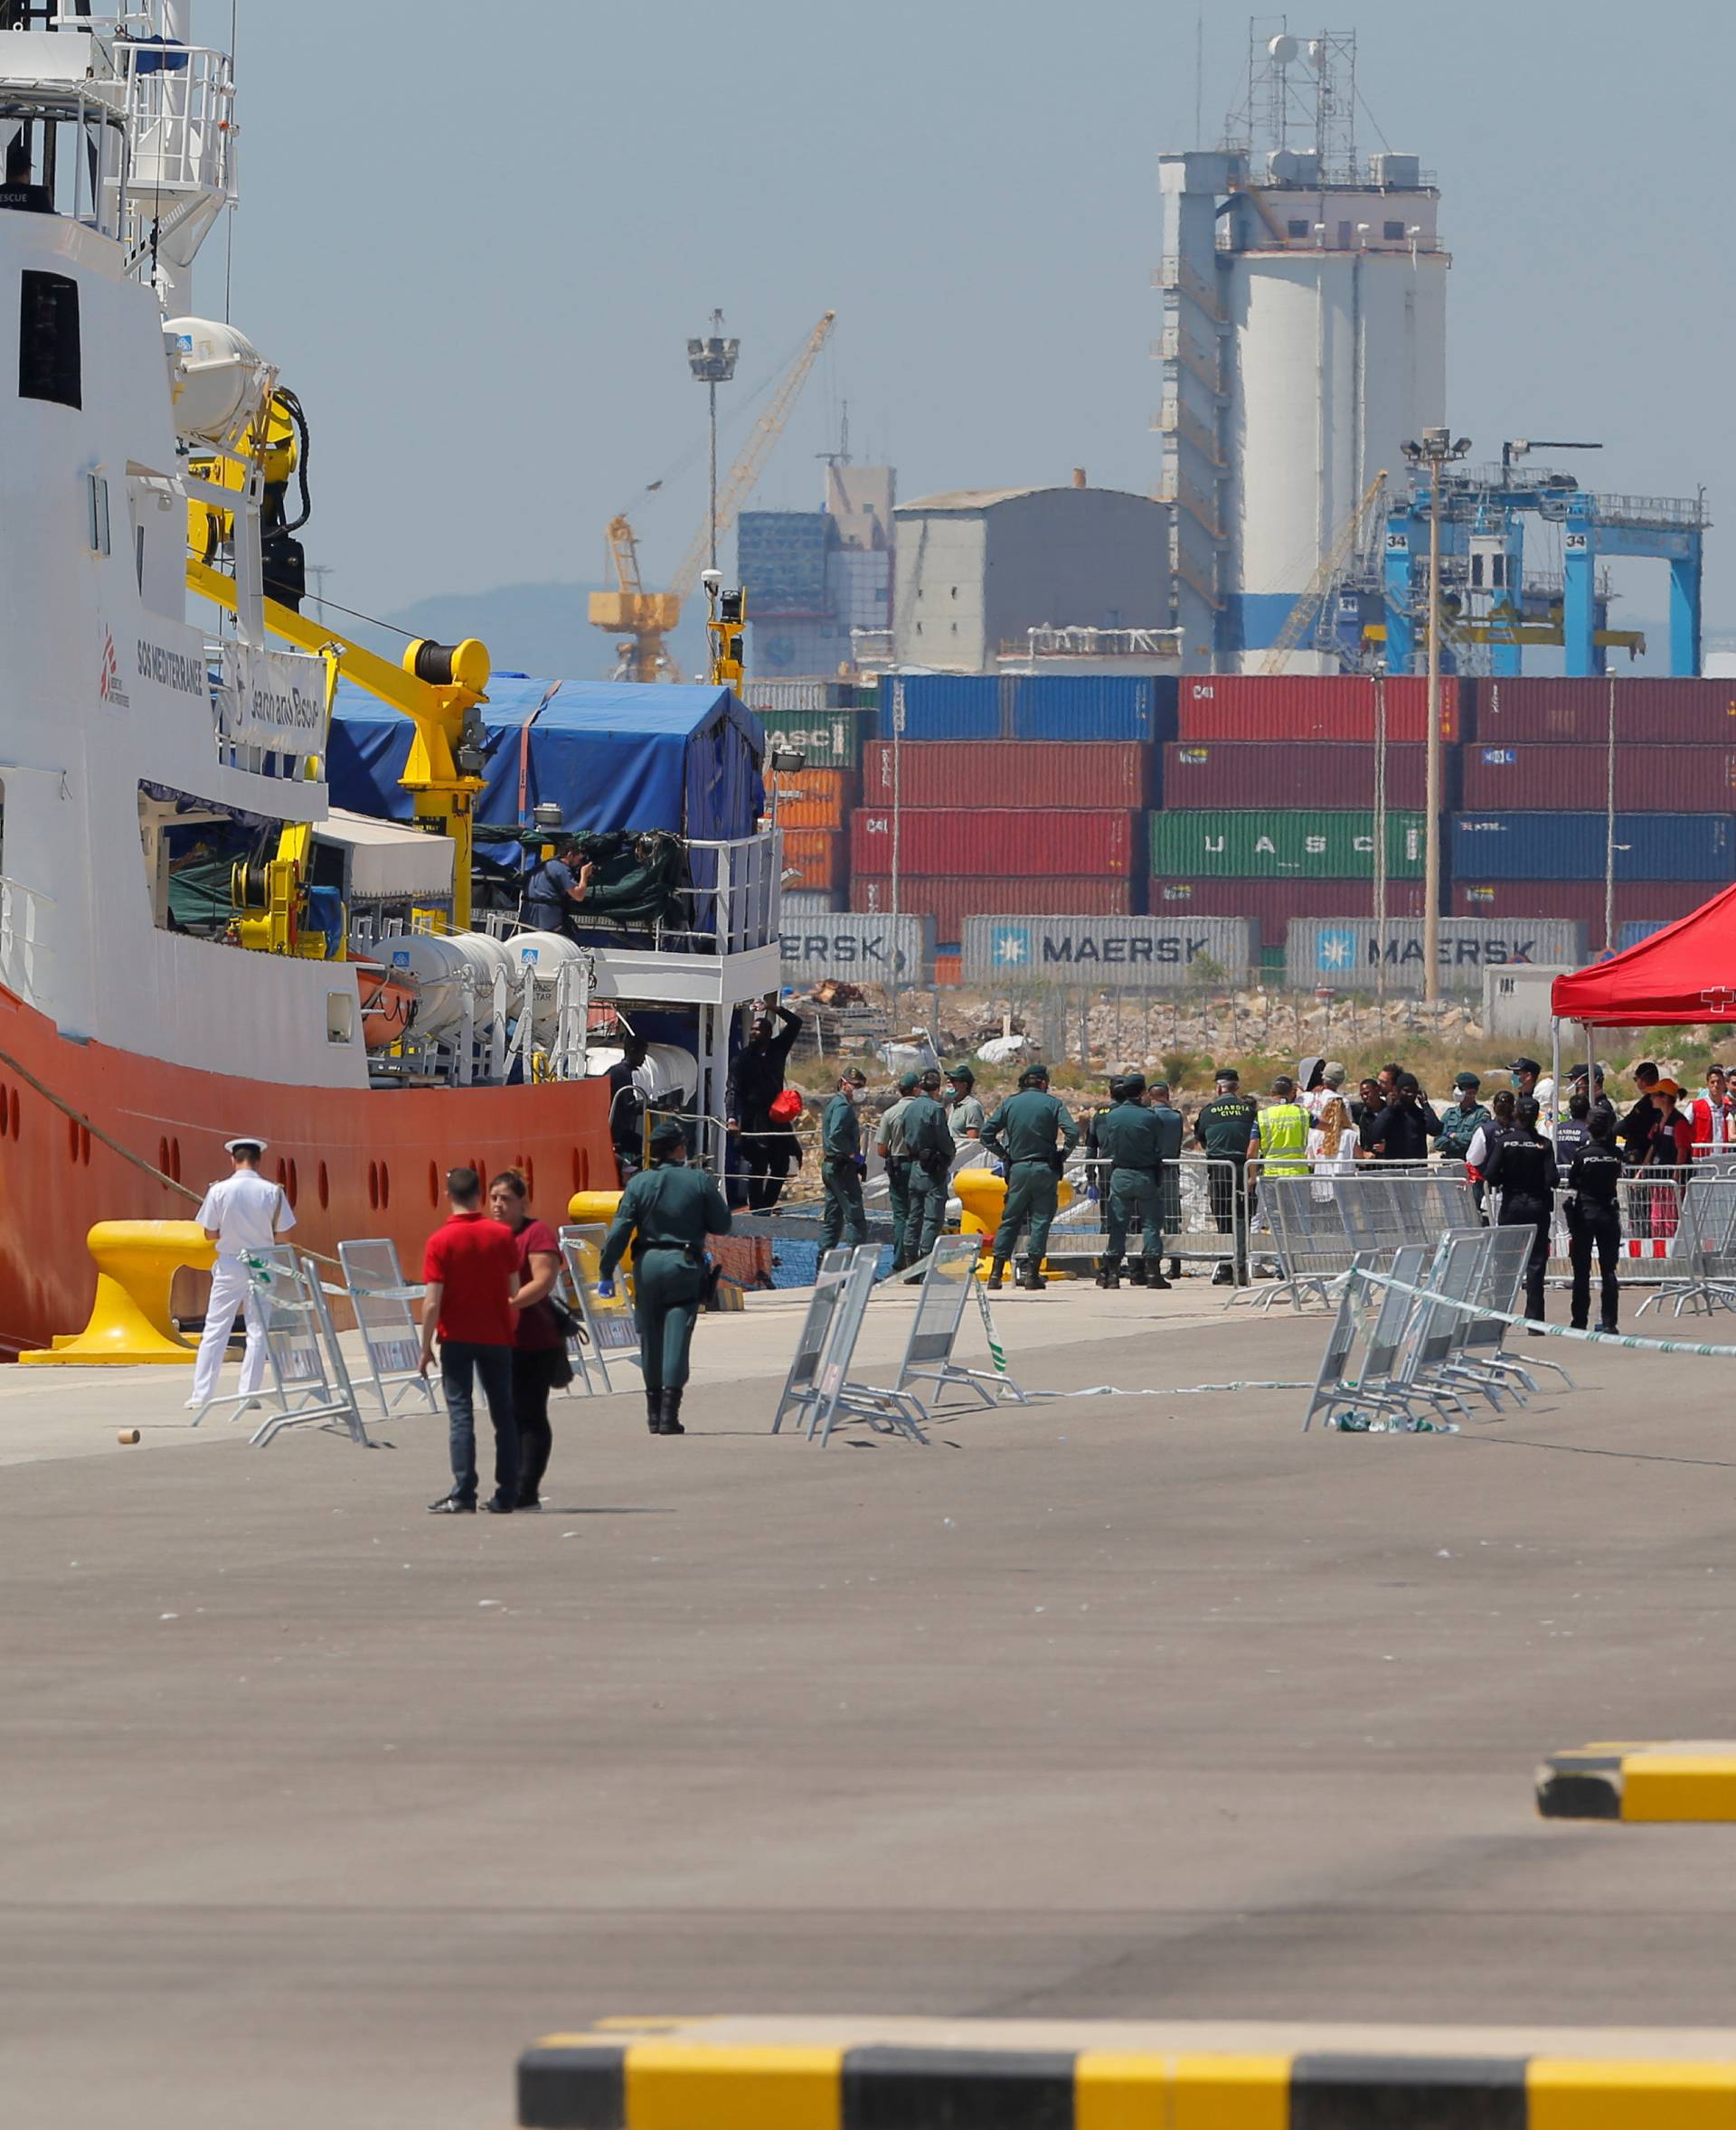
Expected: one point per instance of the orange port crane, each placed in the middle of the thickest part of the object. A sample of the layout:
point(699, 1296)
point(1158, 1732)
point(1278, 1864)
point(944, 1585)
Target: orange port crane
point(642, 619)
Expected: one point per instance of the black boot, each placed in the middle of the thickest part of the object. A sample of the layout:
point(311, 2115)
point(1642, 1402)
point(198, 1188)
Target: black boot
point(653, 1409)
point(1029, 1276)
point(1153, 1269)
point(1137, 1272)
point(1175, 1270)
point(992, 1283)
point(1108, 1272)
point(671, 1423)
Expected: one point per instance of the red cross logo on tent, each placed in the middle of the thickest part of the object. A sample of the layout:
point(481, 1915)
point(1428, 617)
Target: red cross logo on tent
point(1721, 999)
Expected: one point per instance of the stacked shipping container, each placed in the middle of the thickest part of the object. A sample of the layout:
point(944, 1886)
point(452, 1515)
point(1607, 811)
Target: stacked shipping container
point(1011, 794)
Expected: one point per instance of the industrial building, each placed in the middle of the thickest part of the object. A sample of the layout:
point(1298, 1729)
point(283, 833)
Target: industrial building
point(1305, 339)
point(979, 570)
point(817, 580)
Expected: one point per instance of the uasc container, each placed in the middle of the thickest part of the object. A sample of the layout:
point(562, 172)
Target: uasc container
point(1008, 773)
point(1331, 707)
point(1003, 841)
point(1274, 841)
point(828, 738)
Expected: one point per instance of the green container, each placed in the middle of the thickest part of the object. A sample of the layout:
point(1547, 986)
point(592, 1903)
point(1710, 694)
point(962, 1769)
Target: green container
point(830, 739)
point(1274, 844)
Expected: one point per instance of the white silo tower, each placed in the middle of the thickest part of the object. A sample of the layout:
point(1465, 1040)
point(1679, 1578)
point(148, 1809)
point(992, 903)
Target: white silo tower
point(1306, 339)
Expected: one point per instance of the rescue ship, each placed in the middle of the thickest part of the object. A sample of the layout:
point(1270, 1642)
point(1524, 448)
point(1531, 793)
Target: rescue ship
point(343, 1007)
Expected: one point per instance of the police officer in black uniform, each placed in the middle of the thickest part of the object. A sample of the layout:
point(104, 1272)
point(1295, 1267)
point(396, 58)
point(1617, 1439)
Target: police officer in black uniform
point(1594, 1221)
point(1523, 1169)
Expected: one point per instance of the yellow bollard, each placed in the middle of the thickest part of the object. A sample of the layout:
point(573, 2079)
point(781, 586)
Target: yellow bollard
point(129, 1326)
point(592, 1208)
point(982, 1195)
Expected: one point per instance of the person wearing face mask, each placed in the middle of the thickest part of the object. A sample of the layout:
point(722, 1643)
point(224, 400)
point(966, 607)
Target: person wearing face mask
point(1022, 1133)
point(1487, 1137)
point(1463, 1119)
point(842, 1165)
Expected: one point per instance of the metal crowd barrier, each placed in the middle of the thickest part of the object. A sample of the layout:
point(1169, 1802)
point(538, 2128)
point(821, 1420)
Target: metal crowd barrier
point(374, 1282)
point(608, 1325)
point(818, 1386)
point(1204, 1207)
point(307, 1377)
point(1411, 1338)
point(1700, 1270)
point(1321, 1222)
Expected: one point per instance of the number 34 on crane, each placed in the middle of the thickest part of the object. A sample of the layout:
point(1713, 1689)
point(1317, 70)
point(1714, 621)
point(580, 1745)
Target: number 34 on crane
point(642, 619)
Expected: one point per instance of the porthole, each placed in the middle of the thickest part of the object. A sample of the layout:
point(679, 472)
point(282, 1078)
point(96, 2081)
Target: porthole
point(434, 1184)
point(324, 1184)
point(374, 1185)
point(385, 1184)
point(294, 1185)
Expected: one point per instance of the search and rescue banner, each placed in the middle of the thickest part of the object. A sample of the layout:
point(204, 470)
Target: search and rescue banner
point(274, 699)
point(1108, 953)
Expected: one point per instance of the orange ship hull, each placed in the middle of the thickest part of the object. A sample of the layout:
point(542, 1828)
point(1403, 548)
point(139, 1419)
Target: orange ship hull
point(354, 1162)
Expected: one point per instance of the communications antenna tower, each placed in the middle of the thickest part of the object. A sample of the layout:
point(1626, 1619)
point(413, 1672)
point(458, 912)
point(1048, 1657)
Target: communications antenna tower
point(1301, 91)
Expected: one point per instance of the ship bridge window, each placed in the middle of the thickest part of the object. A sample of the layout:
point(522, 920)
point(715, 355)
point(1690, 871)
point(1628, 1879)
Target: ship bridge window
point(48, 365)
point(95, 513)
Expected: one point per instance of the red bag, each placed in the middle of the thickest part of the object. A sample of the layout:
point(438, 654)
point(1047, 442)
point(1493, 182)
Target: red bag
point(785, 1106)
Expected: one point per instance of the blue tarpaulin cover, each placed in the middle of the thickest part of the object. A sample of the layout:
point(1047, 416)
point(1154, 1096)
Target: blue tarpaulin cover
point(623, 755)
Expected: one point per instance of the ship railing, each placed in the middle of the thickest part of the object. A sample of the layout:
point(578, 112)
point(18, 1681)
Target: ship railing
point(26, 949)
point(180, 101)
point(732, 898)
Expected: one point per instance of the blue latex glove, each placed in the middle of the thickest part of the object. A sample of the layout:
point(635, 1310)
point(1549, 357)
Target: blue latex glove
point(1093, 1194)
point(604, 1290)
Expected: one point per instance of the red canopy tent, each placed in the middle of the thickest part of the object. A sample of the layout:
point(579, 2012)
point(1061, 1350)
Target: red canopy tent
point(1686, 972)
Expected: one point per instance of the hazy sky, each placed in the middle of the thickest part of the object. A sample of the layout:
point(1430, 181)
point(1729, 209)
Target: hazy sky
point(475, 238)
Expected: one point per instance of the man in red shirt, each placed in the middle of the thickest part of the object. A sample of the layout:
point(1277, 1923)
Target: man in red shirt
point(1713, 1116)
point(470, 1275)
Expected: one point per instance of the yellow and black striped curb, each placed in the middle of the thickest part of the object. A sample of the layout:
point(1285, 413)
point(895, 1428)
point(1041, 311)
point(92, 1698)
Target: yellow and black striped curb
point(1687, 1779)
point(582, 2082)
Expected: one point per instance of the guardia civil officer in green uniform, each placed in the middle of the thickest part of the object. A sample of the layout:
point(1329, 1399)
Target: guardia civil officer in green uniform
point(666, 1211)
point(895, 1156)
point(841, 1165)
point(1022, 1133)
point(1171, 1127)
point(928, 1136)
point(1130, 1143)
point(1224, 1127)
point(964, 1111)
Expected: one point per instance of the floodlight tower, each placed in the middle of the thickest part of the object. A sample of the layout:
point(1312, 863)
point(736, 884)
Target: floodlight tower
point(712, 360)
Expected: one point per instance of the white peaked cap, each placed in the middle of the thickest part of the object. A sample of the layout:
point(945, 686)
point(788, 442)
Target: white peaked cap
point(246, 1140)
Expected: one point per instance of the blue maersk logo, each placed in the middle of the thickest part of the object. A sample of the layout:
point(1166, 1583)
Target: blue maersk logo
point(1010, 947)
point(1335, 950)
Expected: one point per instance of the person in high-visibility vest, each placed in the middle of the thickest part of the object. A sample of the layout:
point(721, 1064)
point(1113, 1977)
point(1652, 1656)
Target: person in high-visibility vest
point(1281, 1133)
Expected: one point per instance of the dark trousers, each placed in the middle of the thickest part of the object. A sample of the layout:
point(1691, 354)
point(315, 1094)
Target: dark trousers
point(767, 1159)
point(1600, 1230)
point(531, 1385)
point(845, 1222)
point(898, 1194)
point(1224, 1187)
point(1529, 1212)
point(460, 1364)
point(666, 1290)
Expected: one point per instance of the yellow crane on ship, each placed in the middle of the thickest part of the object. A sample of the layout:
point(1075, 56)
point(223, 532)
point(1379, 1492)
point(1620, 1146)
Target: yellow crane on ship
point(643, 620)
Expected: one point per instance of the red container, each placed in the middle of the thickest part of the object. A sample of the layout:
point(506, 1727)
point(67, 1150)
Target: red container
point(1239, 773)
point(949, 901)
point(1008, 773)
point(1636, 901)
point(1574, 779)
point(1248, 706)
point(1003, 842)
point(1272, 904)
point(1680, 713)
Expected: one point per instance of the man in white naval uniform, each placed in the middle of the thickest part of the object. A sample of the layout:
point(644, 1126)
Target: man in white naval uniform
point(246, 1211)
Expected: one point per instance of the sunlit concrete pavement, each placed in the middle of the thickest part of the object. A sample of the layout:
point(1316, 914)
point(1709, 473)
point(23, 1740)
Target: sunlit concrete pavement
point(315, 1807)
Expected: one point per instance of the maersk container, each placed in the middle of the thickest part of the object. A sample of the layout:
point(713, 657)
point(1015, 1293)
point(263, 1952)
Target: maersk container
point(1553, 710)
point(1297, 706)
point(1244, 773)
point(1661, 779)
point(1275, 842)
point(861, 948)
point(1571, 846)
point(1271, 904)
point(1354, 953)
point(1108, 953)
point(1663, 901)
point(947, 706)
point(1003, 841)
point(1094, 706)
point(828, 738)
point(1008, 773)
point(950, 900)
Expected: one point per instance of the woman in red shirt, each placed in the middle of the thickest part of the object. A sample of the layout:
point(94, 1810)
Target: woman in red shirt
point(540, 1363)
point(1669, 1148)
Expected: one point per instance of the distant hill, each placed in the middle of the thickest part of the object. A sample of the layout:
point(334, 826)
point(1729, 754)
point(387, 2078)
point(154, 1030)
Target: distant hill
point(534, 628)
